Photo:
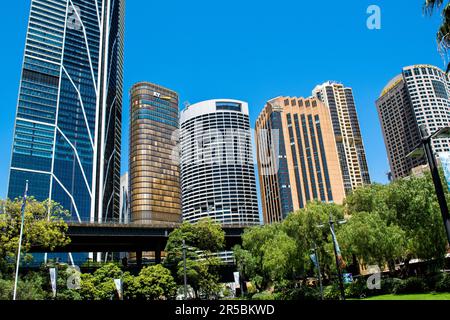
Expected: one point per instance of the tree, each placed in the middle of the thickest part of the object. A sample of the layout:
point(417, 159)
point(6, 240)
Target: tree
point(310, 229)
point(371, 240)
point(443, 34)
point(409, 204)
point(279, 254)
point(100, 285)
point(155, 283)
point(29, 287)
point(203, 241)
point(251, 255)
point(44, 226)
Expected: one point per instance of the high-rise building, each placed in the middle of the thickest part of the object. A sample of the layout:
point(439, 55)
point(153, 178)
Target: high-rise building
point(217, 168)
point(347, 133)
point(67, 133)
point(154, 167)
point(418, 96)
point(298, 160)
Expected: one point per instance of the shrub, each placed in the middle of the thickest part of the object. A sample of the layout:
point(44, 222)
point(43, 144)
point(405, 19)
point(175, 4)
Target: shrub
point(263, 296)
point(290, 290)
point(331, 292)
point(357, 289)
point(410, 285)
point(444, 284)
point(388, 285)
point(432, 280)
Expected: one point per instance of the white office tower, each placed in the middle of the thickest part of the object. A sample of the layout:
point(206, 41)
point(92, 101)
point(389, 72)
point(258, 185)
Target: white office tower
point(217, 169)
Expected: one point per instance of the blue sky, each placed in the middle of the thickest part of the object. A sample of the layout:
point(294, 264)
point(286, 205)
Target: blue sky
point(249, 50)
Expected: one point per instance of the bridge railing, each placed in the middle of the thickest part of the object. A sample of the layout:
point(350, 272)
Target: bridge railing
point(121, 224)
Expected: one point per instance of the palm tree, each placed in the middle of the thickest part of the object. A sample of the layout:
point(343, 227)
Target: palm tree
point(443, 35)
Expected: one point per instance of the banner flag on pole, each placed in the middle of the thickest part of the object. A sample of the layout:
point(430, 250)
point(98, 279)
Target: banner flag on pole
point(341, 261)
point(53, 280)
point(236, 279)
point(444, 158)
point(314, 260)
point(119, 287)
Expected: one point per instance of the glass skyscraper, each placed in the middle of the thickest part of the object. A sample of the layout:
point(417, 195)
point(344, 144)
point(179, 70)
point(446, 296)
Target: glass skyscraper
point(67, 133)
point(154, 163)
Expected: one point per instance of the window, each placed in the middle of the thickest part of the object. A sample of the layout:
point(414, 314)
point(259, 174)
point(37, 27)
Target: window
point(230, 106)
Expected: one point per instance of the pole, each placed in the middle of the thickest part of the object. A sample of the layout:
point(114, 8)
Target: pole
point(338, 267)
point(20, 241)
point(184, 267)
point(426, 140)
point(318, 269)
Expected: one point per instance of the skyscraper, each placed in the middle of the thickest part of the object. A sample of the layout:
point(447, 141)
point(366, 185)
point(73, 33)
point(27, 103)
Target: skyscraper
point(418, 96)
point(349, 142)
point(67, 133)
point(217, 169)
point(154, 167)
point(298, 160)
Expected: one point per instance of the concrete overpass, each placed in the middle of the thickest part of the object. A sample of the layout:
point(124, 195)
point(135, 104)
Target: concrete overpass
point(97, 237)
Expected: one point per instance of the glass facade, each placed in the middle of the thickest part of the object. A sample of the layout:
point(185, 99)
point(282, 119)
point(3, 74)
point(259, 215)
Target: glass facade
point(154, 167)
point(68, 125)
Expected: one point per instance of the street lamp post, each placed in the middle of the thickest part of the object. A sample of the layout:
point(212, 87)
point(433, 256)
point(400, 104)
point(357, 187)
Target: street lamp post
point(20, 240)
point(318, 270)
point(338, 267)
point(184, 267)
point(425, 148)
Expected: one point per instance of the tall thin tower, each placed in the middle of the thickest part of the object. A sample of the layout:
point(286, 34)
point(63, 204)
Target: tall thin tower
point(154, 167)
point(349, 142)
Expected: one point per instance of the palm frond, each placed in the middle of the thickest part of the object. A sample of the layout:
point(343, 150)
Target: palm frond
point(431, 5)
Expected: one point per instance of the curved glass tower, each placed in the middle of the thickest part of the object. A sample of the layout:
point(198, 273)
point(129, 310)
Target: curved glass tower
point(154, 167)
point(67, 133)
point(217, 169)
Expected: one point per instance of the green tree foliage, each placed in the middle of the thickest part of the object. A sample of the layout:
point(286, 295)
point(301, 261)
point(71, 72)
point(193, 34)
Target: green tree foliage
point(443, 34)
point(44, 226)
point(409, 205)
point(385, 224)
point(251, 256)
point(371, 240)
point(273, 253)
point(203, 240)
point(30, 287)
point(155, 283)
point(310, 228)
point(100, 285)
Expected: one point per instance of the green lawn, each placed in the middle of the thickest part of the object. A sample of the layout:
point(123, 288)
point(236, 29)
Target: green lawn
point(421, 296)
